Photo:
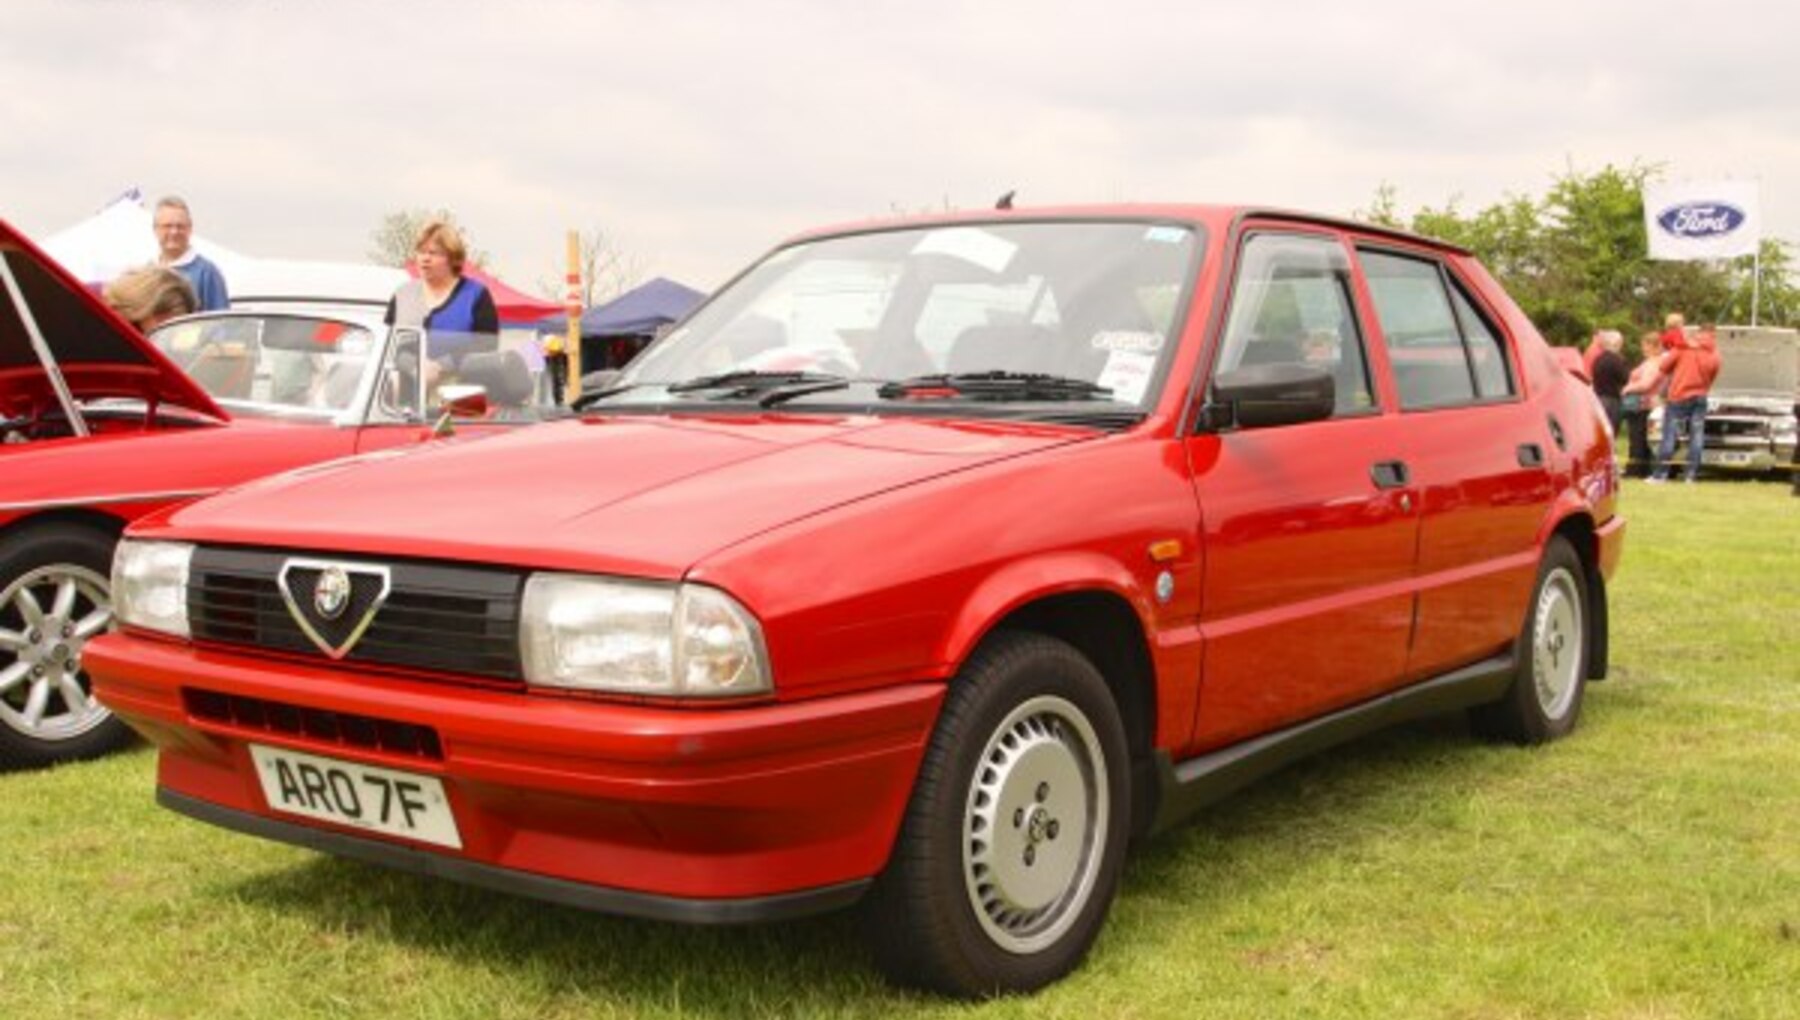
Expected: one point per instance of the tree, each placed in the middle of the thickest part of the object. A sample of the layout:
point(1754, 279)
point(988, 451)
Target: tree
point(607, 270)
point(1578, 259)
point(391, 242)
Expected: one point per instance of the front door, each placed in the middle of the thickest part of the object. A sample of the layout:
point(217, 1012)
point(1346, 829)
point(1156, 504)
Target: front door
point(1311, 529)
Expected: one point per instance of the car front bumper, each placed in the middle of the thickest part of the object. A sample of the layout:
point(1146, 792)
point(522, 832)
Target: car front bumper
point(695, 814)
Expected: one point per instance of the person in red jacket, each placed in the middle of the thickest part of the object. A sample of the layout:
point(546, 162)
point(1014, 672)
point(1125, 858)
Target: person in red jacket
point(1691, 363)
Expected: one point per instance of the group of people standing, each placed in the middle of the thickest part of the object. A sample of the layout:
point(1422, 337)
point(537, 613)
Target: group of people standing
point(183, 281)
point(1676, 371)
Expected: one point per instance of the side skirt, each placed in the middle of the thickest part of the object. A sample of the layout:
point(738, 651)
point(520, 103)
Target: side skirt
point(1185, 788)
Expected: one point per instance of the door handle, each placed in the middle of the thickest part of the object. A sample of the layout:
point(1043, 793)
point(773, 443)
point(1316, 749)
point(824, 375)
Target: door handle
point(1389, 474)
point(1531, 455)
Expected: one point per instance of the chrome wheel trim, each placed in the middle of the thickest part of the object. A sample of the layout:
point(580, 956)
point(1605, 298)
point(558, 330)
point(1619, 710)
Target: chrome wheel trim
point(47, 616)
point(1034, 824)
point(1557, 643)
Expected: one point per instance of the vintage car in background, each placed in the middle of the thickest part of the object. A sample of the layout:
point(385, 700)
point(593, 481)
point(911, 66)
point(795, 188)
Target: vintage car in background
point(99, 426)
point(925, 565)
point(1751, 411)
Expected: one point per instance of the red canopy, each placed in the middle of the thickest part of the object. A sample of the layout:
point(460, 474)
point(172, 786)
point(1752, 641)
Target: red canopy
point(515, 306)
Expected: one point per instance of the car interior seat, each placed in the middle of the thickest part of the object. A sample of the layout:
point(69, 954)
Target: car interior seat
point(223, 370)
point(1012, 347)
point(504, 375)
point(1274, 351)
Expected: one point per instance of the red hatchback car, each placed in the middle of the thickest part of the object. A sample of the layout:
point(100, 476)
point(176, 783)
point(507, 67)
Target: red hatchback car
point(925, 565)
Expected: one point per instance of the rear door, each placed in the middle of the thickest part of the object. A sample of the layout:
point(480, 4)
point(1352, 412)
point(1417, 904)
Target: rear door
point(1310, 528)
point(1478, 455)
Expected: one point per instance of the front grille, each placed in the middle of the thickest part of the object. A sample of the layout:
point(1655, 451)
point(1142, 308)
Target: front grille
point(340, 728)
point(1736, 427)
point(440, 618)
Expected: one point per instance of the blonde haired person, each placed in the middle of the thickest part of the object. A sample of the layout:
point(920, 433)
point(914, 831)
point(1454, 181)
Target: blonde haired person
point(150, 296)
point(442, 298)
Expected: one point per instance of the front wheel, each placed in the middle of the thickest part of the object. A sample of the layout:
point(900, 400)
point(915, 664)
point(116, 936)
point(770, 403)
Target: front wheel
point(54, 596)
point(1544, 700)
point(1009, 855)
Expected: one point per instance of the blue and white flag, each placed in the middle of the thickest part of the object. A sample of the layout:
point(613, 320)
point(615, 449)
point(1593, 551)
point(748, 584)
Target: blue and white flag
point(1691, 220)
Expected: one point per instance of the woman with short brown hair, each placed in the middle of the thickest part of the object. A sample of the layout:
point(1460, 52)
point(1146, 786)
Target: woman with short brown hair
point(442, 298)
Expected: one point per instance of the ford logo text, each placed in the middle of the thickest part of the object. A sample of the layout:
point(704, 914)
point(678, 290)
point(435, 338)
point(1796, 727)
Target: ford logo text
point(1701, 219)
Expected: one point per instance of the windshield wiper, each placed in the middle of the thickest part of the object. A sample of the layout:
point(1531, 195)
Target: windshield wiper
point(997, 385)
point(591, 397)
point(769, 388)
point(783, 394)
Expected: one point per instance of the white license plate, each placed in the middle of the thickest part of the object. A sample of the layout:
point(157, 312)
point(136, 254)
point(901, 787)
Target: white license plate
point(363, 796)
point(1733, 458)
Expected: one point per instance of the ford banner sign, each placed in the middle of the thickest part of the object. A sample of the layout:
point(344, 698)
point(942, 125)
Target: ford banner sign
point(1701, 220)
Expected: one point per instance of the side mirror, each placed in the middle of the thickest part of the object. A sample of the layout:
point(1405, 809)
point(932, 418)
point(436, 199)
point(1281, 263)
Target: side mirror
point(1259, 396)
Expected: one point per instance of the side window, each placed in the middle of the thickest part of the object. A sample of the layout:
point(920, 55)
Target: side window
point(1442, 351)
point(1291, 303)
point(1486, 353)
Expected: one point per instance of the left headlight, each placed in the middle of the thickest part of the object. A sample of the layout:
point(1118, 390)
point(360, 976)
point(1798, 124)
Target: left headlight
point(149, 585)
point(582, 632)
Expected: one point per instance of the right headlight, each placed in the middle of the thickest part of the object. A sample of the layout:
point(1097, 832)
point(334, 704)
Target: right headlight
point(582, 632)
point(149, 585)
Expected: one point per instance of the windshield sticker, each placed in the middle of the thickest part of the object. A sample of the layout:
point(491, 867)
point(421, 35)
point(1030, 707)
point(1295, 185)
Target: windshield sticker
point(969, 244)
point(1128, 340)
point(1127, 374)
point(1166, 235)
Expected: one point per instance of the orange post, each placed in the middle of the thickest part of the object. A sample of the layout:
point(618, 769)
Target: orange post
point(572, 302)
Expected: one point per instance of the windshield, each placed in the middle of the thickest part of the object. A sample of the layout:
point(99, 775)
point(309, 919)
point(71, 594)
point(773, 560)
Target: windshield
point(508, 366)
point(280, 363)
point(1087, 306)
point(335, 369)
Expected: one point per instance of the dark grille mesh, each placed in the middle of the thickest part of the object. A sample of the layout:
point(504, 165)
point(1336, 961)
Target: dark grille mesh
point(341, 728)
point(441, 618)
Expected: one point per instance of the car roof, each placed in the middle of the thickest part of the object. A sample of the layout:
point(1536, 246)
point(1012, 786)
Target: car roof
point(1216, 217)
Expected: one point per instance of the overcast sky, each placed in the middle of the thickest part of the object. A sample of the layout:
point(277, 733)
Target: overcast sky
point(699, 133)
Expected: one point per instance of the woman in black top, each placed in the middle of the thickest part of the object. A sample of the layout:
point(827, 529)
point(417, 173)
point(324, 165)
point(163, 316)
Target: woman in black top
point(1610, 373)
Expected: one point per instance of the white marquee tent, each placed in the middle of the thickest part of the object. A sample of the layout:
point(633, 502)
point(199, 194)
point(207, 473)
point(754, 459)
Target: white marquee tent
point(119, 237)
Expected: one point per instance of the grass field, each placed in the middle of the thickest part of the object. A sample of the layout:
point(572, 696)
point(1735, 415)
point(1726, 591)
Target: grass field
point(1646, 868)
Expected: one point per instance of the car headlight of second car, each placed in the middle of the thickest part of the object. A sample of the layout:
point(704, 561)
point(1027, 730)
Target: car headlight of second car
point(582, 632)
point(149, 585)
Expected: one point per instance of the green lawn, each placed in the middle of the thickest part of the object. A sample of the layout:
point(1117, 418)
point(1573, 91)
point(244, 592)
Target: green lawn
point(1647, 868)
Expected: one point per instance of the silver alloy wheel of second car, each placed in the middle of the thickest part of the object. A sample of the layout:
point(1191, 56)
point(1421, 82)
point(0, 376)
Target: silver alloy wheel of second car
point(1557, 643)
point(1036, 816)
point(55, 609)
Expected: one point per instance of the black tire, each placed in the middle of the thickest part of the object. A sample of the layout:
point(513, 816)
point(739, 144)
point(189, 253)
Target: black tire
point(1030, 750)
point(1553, 654)
point(47, 713)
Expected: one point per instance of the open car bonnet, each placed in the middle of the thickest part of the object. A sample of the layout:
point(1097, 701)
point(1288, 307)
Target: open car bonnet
point(98, 354)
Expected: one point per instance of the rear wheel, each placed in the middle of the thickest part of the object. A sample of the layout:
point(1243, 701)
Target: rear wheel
point(1009, 854)
point(1544, 700)
point(54, 596)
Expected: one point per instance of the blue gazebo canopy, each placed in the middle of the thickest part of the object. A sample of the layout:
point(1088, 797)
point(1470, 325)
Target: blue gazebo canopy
point(637, 312)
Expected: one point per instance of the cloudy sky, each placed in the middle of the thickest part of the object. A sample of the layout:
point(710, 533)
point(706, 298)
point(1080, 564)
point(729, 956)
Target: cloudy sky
point(697, 133)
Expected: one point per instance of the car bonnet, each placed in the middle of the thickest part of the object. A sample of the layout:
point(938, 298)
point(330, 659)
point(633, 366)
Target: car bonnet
point(646, 496)
point(98, 354)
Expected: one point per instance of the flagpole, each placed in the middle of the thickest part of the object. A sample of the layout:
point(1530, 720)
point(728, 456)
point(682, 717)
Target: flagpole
point(1756, 284)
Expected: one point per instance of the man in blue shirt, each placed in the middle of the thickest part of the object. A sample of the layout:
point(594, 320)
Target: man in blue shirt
point(174, 227)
